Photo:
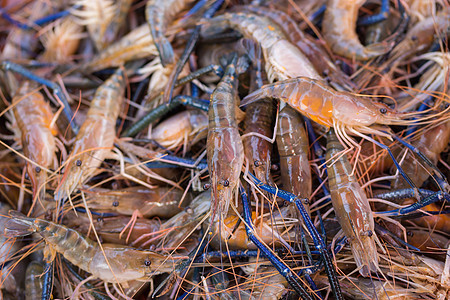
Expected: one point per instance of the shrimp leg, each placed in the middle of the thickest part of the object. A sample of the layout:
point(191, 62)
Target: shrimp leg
point(57, 90)
point(47, 281)
point(381, 16)
point(281, 267)
point(317, 239)
point(168, 92)
point(162, 110)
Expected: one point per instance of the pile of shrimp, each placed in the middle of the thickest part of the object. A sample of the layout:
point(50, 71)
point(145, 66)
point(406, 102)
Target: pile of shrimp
point(224, 149)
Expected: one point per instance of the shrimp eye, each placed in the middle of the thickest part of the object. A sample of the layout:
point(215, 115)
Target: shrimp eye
point(305, 201)
point(206, 186)
point(147, 263)
point(37, 169)
point(257, 163)
point(226, 182)
point(78, 163)
point(383, 110)
point(115, 203)
point(369, 233)
point(410, 233)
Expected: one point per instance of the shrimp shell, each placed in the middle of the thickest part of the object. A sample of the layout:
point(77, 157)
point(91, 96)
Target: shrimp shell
point(283, 59)
point(338, 30)
point(351, 207)
point(123, 263)
point(96, 136)
point(320, 103)
point(34, 121)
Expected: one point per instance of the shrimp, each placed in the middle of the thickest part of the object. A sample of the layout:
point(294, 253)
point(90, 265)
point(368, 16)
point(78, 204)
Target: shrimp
point(187, 127)
point(315, 54)
point(103, 19)
point(283, 59)
point(108, 262)
point(33, 281)
point(351, 207)
point(61, 41)
point(327, 107)
point(161, 202)
point(159, 15)
point(137, 44)
point(224, 148)
point(34, 119)
point(338, 28)
point(293, 146)
point(113, 229)
point(96, 136)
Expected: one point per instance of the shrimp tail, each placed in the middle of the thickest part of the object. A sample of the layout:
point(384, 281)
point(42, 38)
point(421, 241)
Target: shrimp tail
point(366, 256)
point(165, 51)
point(19, 225)
point(255, 96)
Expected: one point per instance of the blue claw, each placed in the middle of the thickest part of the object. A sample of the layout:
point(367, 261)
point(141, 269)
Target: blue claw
point(381, 16)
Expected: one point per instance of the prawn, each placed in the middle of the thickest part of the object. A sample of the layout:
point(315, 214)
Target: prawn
point(224, 148)
point(159, 15)
point(351, 207)
point(96, 136)
point(162, 202)
point(108, 262)
point(186, 127)
point(34, 119)
point(33, 282)
point(283, 59)
point(339, 23)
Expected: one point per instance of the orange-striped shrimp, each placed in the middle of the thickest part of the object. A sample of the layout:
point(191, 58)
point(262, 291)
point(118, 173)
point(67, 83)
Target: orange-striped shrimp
point(108, 262)
point(338, 28)
point(187, 127)
point(162, 202)
point(224, 148)
point(283, 59)
point(159, 15)
point(34, 119)
point(96, 137)
point(351, 207)
point(329, 108)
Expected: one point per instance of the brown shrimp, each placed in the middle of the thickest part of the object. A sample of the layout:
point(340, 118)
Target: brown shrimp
point(187, 127)
point(34, 119)
point(96, 137)
point(351, 207)
point(162, 202)
point(315, 54)
point(338, 28)
point(102, 18)
point(293, 147)
point(265, 283)
point(110, 263)
point(116, 230)
point(159, 15)
point(224, 148)
point(283, 59)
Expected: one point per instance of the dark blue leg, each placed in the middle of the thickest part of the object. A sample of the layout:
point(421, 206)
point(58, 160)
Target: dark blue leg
point(399, 168)
point(162, 110)
point(48, 281)
point(402, 194)
point(317, 14)
point(309, 270)
point(189, 163)
point(438, 176)
point(425, 105)
point(282, 268)
point(381, 16)
point(435, 197)
point(317, 239)
point(57, 91)
point(190, 45)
